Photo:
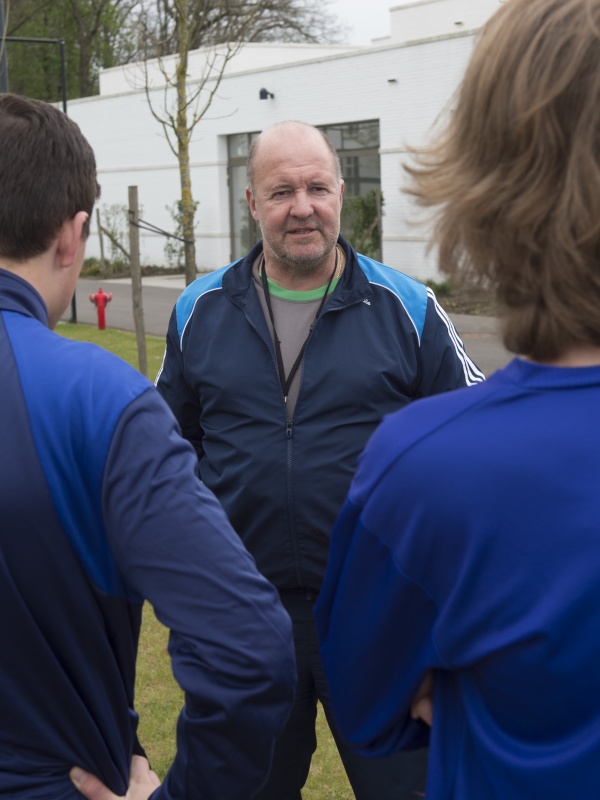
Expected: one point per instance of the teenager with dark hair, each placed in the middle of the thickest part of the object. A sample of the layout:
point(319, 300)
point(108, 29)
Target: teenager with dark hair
point(101, 509)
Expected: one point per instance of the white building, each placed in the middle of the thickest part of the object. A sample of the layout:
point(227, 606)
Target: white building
point(373, 102)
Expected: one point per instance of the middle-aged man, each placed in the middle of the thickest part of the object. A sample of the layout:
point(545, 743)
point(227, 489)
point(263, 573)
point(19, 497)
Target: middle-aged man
point(101, 508)
point(278, 367)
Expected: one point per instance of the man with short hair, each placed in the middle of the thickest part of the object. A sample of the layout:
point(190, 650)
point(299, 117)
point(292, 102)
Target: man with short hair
point(278, 368)
point(101, 509)
point(469, 544)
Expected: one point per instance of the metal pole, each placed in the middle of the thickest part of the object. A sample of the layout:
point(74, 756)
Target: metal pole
point(3, 61)
point(63, 73)
point(63, 81)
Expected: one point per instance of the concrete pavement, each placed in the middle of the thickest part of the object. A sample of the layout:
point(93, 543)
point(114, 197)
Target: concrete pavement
point(479, 334)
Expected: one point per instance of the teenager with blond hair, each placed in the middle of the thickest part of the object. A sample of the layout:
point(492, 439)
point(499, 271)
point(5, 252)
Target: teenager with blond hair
point(468, 550)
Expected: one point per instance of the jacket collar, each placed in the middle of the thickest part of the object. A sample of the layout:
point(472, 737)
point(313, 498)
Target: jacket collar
point(18, 295)
point(353, 286)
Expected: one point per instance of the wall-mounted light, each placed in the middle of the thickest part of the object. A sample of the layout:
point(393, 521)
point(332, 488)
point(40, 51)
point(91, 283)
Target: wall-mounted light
point(264, 94)
point(392, 80)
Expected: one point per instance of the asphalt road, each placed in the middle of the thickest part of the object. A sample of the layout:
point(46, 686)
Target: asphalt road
point(479, 334)
point(158, 298)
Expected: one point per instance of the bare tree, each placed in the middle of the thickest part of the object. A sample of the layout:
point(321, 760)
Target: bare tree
point(211, 22)
point(222, 27)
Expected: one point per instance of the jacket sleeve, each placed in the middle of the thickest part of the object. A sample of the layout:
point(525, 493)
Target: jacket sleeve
point(377, 620)
point(445, 364)
point(230, 639)
point(374, 642)
point(175, 389)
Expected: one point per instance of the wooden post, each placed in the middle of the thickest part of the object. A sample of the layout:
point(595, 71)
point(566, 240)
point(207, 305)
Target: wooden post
point(136, 279)
point(101, 241)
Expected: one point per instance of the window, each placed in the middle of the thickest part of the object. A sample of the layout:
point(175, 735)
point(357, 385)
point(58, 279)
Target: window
point(244, 230)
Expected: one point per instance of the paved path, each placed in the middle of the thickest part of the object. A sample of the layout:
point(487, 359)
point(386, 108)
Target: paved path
point(480, 334)
point(158, 296)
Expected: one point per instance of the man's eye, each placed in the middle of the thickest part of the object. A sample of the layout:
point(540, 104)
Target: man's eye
point(281, 193)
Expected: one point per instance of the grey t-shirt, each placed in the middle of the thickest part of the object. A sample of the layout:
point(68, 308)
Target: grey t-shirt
point(294, 313)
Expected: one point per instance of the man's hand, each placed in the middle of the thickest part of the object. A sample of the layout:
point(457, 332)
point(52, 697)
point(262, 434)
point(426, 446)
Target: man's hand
point(142, 782)
point(422, 704)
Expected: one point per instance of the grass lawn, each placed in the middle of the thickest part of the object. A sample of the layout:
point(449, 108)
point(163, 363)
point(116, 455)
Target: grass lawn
point(158, 698)
point(121, 343)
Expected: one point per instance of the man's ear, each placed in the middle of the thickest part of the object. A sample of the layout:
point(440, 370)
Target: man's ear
point(69, 238)
point(252, 204)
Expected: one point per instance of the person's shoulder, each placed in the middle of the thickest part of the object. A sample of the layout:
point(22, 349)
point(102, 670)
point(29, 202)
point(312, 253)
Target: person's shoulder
point(206, 284)
point(409, 292)
point(422, 430)
point(390, 278)
point(76, 390)
point(83, 363)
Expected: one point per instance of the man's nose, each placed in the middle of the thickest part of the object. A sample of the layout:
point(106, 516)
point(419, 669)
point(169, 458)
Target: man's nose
point(301, 205)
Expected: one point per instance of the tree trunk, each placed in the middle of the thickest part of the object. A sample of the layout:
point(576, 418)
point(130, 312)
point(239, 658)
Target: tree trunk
point(188, 207)
point(136, 280)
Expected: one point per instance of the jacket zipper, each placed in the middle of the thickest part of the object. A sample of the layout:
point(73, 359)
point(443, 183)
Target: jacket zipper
point(288, 435)
point(289, 428)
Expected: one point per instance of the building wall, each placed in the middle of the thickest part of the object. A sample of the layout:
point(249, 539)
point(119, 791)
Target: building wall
point(416, 19)
point(405, 86)
point(250, 56)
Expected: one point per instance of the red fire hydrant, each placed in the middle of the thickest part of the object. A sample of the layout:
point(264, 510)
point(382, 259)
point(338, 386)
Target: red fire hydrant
point(100, 299)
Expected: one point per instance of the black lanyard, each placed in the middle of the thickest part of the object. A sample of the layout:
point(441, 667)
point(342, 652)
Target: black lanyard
point(287, 382)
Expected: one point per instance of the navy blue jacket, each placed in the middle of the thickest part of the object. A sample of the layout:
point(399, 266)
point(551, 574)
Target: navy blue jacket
point(381, 341)
point(101, 508)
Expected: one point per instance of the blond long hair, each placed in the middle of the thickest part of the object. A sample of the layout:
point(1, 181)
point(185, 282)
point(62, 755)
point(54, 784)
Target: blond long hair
point(515, 176)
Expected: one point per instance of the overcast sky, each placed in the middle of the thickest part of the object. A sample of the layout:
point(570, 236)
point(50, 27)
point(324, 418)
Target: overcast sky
point(367, 19)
